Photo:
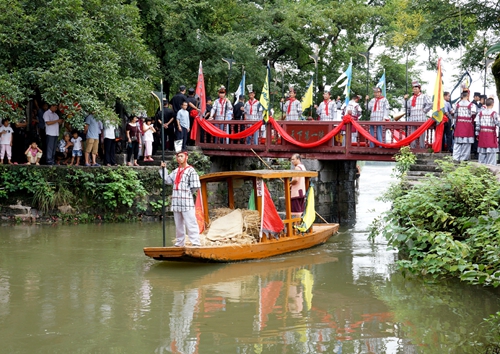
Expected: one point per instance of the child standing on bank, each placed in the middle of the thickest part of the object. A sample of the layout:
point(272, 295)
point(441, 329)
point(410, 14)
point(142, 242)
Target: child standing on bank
point(183, 125)
point(33, 154)
point(6, 140)
point(486, 132)
point(148, 131)
point(77, 147)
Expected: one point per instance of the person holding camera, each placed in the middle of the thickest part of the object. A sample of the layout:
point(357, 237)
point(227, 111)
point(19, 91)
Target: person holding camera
point(133, 140)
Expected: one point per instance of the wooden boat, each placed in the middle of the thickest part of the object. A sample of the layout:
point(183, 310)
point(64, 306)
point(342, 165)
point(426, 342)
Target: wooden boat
point(288, 239)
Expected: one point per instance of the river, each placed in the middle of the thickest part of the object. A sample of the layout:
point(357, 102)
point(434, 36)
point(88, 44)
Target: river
point(90, 289)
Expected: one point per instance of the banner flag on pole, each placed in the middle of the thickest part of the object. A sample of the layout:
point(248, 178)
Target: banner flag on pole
point(200, 215)
point(381, 84)
point(438, 104)
point(241, 89)
point(200, 92)
point(309, 214)
point(265, 98)
point(307, 100)
point(347, 75)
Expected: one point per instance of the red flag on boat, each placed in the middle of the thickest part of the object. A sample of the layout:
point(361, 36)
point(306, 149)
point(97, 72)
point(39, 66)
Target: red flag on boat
point(200, 215)
point(200, 92)
point(270, 220)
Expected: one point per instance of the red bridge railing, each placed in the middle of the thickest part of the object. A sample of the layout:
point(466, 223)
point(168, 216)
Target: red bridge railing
point(271, 144)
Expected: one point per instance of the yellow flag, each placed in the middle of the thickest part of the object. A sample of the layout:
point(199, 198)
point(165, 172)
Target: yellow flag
point(309, 214)
point(438, 104)
point(307, 100)
point(265, 98)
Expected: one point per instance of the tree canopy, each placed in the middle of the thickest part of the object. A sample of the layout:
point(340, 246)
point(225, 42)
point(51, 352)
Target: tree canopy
point(96, 52)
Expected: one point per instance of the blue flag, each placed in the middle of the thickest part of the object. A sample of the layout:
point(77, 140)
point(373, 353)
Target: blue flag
point(241, 89)
point(381, 84)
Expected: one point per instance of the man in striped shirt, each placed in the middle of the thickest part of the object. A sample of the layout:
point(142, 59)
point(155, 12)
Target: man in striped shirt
point(186, 182)
point(417, 108)
point(253, 113)
point(379, 112)
point(292, 107)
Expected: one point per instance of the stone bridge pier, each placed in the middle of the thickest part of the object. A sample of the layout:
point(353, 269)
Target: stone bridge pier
point(335, 187)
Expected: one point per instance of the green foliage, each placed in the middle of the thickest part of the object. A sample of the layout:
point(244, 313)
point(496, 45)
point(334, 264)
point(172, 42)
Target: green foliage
point(404, 160)
point(448, 226)
point(67, 51)
point(157, 206)
point(99, 51)
point(105, 191)
point(200, 162)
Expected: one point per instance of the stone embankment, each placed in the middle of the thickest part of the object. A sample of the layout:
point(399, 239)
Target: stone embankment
point(426, 165)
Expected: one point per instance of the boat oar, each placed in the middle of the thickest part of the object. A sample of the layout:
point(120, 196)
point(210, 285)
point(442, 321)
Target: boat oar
point(269, 167)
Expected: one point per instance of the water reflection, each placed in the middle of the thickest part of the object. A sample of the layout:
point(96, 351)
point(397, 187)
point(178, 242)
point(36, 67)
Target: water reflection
point(90, 289)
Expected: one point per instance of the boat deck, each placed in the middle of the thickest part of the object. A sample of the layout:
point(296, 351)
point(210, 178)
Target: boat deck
point(233, 253)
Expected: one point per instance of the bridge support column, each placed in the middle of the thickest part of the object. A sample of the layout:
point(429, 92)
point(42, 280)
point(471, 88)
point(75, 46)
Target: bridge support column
point(335, 188)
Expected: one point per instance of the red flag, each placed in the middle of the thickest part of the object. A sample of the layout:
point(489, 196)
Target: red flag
point(270, 220)
point(198, 209)
point(200, 92)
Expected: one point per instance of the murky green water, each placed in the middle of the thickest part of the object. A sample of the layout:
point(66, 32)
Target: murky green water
point(90, 289)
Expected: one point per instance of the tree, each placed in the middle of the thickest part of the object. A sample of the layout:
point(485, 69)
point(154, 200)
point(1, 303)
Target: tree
point(68, 51)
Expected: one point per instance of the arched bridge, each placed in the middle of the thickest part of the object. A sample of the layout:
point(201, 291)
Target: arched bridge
point(281, 138)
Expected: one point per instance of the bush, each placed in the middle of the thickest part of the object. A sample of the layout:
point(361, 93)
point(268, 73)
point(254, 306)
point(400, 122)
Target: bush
point(447, 226)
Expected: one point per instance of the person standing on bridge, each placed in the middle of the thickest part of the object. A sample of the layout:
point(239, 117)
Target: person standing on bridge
point(222, 109)
point(292, 107)
point(465, 112)
point(379, 111)
point(327, 111)
point(354, 110)
point(186, 182)
point(417, 109)
point(253, 113)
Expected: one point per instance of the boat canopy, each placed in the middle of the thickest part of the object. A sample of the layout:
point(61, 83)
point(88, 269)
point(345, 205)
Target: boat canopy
point(264, 174)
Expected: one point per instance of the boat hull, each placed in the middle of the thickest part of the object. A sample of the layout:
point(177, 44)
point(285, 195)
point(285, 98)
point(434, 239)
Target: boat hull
point(234, 253)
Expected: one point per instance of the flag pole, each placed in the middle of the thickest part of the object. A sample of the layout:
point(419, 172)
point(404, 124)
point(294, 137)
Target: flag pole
point(163, 160)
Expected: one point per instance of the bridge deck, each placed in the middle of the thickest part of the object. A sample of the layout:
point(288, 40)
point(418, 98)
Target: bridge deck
point(270, 144)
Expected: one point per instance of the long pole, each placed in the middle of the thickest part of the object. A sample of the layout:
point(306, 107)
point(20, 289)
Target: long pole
point(367, 72)
point(164, 169)
point(406, 101)
point(485, 66)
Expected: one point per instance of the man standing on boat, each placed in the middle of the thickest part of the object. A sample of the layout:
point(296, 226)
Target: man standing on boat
point(298, 186)
point(186, 182)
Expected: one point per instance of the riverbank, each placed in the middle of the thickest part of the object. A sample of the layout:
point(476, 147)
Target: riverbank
point(447, 226)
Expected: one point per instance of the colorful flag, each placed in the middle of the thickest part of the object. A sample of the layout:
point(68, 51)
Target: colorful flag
point(347, 75)
point(200, 91)
point(270, 221)
point(438, 105)
point(309, 214)
point(381, 84)
point(199, 212)
point(265, 97)
point(241, 89)
point(251, 201)
point(307, 100)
